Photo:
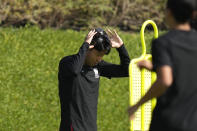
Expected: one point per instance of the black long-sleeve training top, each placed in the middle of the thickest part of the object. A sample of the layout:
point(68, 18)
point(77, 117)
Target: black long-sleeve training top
point(79, 87)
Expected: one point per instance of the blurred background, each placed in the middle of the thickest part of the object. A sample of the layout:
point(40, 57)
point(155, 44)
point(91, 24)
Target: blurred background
point(128, 15)
point(36, 34)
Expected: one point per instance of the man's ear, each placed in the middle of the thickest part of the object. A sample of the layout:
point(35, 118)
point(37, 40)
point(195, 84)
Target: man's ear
point(168, 12)
point(194, 15)
point(90, 49)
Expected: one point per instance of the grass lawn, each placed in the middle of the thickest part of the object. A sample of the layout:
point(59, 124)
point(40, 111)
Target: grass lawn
point(29, 59)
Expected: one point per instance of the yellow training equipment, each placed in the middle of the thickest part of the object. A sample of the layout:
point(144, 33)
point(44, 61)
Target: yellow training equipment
point(140, 82)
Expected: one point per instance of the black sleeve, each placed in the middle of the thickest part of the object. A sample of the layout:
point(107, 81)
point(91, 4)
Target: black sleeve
point(72, 65)
point(112, 70)
point(160, 54)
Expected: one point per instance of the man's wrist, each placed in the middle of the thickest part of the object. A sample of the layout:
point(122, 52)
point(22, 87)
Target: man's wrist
point(121, 45)
point(86, 44)
point(87, 41)
point(119, 48)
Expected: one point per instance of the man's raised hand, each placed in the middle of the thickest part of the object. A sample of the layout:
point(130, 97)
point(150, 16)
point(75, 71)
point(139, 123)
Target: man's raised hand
point(89, 38)
point(116, 41)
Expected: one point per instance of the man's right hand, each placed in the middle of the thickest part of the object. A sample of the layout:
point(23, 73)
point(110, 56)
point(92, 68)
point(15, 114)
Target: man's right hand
point(89, 38)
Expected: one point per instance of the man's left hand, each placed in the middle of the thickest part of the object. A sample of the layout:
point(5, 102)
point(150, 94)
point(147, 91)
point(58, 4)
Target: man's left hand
point(116, 41)
point(145, 64)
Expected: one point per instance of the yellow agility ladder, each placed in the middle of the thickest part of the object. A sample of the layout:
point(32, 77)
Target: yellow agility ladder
point(140, 81)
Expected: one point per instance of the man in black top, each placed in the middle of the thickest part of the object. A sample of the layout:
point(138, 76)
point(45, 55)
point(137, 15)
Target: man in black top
point(79, 77)
point(175, 62)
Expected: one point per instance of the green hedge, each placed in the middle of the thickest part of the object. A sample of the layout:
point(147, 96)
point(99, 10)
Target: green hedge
point(81, 14)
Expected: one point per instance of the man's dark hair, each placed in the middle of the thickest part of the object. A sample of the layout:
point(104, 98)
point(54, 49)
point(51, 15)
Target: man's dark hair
point(101, 41)
point(181, 9)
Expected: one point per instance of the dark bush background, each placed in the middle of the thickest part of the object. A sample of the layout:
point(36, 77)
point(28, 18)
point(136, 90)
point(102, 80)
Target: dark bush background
point(128, 15)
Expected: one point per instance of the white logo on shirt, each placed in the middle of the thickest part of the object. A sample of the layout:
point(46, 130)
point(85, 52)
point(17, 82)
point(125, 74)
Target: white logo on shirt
point(96, 72)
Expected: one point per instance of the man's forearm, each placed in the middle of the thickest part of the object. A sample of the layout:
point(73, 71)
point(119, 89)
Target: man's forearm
point(78, 59)
point(156, 90)
point(124, 56)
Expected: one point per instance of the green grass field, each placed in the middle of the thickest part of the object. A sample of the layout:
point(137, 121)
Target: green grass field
point(29, 60)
